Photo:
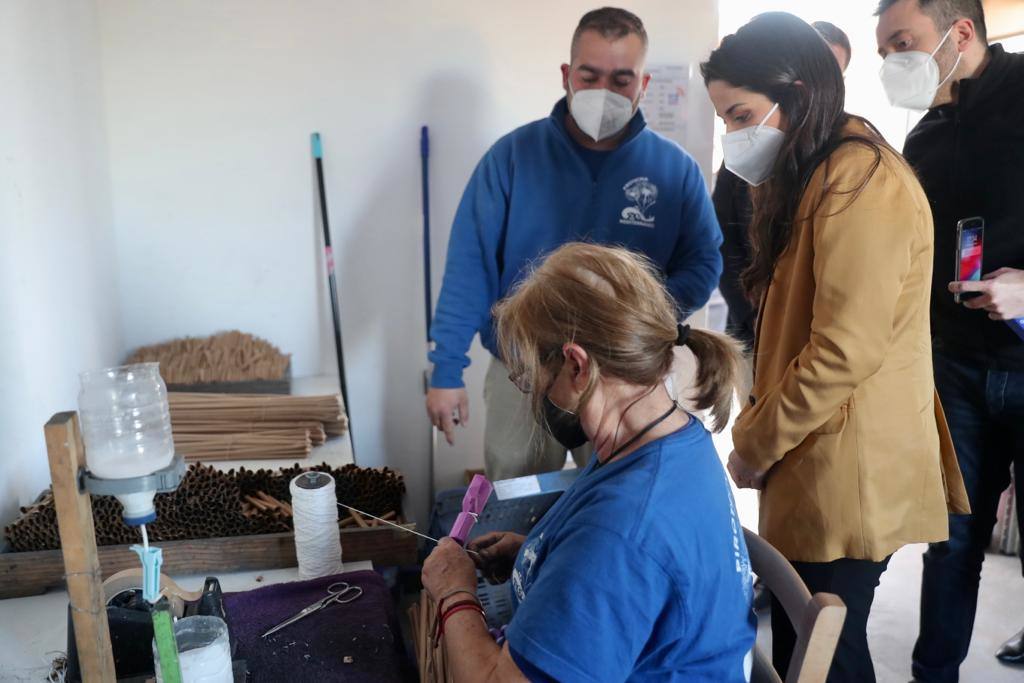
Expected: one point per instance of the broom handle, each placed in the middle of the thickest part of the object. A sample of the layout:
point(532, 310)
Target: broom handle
point(427, 293)
point(332, 286)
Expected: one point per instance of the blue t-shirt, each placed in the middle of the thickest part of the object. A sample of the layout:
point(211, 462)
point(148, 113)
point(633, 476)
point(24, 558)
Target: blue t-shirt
point(639, 572)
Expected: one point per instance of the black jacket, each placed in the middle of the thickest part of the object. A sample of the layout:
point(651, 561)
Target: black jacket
point(970, 158)
point(731, 198)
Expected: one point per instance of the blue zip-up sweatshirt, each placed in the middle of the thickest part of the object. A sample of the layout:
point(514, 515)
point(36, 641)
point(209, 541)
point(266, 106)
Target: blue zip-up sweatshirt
point(532, 192)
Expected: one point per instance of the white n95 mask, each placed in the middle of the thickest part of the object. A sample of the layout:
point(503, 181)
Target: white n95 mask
point(911, 79)
point(600, 113)
point(751, 152)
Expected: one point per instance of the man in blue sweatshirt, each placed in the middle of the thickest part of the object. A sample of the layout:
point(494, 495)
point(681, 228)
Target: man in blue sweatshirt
point(591, 171)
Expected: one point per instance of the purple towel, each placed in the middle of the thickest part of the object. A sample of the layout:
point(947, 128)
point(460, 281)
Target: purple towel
point(356, 641)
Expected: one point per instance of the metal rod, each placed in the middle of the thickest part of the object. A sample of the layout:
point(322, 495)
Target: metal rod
point(399, 526)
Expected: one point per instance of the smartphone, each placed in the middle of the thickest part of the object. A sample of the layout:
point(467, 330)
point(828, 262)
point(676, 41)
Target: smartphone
point(970, 240)
point(1017, 325)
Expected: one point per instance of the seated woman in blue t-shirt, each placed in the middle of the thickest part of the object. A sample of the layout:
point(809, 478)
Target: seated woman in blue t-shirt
point(639, 572)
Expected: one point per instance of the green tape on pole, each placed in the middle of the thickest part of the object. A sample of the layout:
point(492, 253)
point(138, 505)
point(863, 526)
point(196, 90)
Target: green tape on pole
point(166, 645)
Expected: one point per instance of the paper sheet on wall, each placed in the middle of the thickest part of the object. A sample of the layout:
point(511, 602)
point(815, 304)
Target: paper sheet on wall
point(664, 105)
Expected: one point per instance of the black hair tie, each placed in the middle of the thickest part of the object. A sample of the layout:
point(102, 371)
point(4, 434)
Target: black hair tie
point(682, 334)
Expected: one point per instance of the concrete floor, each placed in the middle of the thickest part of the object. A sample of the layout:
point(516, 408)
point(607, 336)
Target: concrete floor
point(892, 629)
point(893, 626)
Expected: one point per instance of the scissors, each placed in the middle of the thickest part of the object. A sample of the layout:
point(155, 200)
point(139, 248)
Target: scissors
point(337, 593)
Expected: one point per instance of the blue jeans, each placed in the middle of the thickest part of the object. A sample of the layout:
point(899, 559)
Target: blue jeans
point(985, 410)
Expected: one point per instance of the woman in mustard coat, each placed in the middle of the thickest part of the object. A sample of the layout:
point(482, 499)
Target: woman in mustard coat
point(843, 432)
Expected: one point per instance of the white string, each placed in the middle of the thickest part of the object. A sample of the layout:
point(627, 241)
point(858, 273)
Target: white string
point(145, 538)
point(475, 516)
point(57, 661)
point(317, 540)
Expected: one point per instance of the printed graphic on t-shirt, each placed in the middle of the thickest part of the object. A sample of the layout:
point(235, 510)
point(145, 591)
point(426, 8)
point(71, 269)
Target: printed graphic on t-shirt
point(521, 582)
point(741, 558)
point(643, 193)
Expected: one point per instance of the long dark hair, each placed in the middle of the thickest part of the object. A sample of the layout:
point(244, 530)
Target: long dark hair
point(787, 61)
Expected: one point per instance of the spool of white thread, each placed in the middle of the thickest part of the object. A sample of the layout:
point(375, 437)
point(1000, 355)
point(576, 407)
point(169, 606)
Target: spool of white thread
point(315, 513)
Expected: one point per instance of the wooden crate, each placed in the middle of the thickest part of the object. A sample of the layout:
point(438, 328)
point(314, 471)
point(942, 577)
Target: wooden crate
point(31, 573)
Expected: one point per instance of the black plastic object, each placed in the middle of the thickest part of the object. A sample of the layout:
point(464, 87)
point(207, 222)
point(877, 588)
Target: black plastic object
point(131, 630)
point(211, 604)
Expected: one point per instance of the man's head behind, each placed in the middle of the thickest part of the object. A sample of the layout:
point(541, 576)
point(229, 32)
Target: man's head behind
point(943, 13)
point(951, 31)
point(837, 40)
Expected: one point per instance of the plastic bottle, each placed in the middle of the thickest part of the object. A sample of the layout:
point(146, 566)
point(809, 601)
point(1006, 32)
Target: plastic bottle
point(204, 650)
point(126, 424)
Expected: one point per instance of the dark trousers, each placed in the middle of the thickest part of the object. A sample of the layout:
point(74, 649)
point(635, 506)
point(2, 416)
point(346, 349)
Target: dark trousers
point(855, 582)
point(985, 410)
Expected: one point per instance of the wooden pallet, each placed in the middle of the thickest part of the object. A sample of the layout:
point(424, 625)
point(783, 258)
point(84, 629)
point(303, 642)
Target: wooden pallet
point(31, 573)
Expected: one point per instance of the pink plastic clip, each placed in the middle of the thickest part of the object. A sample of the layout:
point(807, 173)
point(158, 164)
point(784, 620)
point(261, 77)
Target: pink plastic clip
point(472, 505)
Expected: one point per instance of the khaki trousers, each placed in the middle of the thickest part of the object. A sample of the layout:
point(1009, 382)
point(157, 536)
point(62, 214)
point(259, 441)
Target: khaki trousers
point(514, 444)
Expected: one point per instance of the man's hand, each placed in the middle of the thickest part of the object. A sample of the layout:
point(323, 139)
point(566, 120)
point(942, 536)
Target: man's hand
point(447, 408)
point(497, 554)
point(1002, 293)
point(448, 568)
point(744, 476)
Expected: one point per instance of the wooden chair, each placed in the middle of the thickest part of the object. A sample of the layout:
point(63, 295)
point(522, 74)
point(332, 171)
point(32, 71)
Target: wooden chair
point(817, 619)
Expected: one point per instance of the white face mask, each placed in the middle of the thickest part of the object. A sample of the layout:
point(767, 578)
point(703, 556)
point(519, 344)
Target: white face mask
point(911, 79)
point(751, 152)
point(600, 113)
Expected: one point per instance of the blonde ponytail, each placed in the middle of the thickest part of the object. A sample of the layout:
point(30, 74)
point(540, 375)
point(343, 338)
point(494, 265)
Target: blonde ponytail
point(719, 359)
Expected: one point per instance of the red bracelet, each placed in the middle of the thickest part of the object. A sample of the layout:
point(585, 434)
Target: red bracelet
point(457, 607)
point(440, 603)
point(441, 611)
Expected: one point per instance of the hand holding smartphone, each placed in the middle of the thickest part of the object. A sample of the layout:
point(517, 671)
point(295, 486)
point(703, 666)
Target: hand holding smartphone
point(970, 242)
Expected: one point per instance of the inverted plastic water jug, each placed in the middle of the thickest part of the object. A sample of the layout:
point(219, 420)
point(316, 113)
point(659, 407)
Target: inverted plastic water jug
point(126, 425)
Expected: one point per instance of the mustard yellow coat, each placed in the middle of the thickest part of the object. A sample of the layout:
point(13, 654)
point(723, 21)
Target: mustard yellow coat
point(843, 413)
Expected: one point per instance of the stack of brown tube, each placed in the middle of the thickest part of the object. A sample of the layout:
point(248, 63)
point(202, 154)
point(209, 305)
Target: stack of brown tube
point(225, 357)
point(252, 426)
point(210, 503)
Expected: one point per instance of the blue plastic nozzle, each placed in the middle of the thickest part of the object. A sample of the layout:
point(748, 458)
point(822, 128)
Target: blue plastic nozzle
point(151, 558)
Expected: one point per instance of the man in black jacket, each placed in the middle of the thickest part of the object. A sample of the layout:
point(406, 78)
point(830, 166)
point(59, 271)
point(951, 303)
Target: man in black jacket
point(731, 198)
point(969, 153)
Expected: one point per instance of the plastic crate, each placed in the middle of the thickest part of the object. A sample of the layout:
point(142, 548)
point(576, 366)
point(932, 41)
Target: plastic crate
point(515, 514)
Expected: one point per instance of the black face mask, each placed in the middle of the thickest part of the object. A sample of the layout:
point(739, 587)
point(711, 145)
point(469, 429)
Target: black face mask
point(564, 426)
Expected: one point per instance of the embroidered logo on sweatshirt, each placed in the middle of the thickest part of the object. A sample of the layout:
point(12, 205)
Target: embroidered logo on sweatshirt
point(643, 193)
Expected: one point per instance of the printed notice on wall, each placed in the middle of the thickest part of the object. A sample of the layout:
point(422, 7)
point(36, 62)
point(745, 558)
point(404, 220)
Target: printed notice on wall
point(664, 105)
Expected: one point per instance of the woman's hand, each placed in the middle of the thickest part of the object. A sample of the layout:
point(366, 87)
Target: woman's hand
point(744, 476)
point(448, 569)
point(497, 554)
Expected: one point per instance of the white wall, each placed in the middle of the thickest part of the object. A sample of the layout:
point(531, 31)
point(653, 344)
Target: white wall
point(57, 275)
point(864, 94)
point(210, 108)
